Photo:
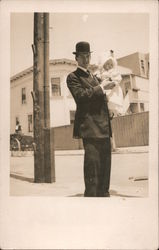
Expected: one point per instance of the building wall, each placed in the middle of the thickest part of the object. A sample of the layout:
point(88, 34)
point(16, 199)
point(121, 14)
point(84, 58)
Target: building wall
point(135, 91)
point(130, 61)
point(137, 62)
point(18, 109)
point(142, 84)
point(144, 72)
point(60, 106)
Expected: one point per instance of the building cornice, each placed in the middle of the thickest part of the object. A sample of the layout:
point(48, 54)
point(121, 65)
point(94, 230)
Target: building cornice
point(26, 72)
point(21, 74)
point(51, 62)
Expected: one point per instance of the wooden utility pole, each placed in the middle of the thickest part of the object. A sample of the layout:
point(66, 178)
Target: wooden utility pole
point(44, 167)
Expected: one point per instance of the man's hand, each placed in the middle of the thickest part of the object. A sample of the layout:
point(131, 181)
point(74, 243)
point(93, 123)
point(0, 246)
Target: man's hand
point(107, 84)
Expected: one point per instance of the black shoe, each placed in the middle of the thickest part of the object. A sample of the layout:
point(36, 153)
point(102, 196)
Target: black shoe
point(101, 194)
point(107, 194)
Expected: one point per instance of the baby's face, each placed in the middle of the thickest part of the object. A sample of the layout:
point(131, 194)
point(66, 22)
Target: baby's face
point(108, 65)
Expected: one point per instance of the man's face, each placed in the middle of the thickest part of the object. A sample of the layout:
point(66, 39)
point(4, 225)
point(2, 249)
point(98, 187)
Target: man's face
point(83, 59)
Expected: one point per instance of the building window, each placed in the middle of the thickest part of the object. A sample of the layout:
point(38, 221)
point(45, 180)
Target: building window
point(134, 108)
point(142, 67)
point(148, 69)
point(23, 95)
point(126, 85)
point(55, 86)
point(17, 120)
point(142, 107)
point(72, 116)
point(30, 123)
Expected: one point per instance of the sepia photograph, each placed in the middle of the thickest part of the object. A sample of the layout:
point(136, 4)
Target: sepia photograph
point(79, 125)
point(60, 119)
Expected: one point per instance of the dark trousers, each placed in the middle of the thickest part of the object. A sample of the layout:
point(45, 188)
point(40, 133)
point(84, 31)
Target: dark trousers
point(97, 166)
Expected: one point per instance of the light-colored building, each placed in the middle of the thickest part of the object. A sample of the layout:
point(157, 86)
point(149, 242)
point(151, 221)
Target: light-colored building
point(137, 62)
point(62, 105)
point(136, 93)
point(136, 86)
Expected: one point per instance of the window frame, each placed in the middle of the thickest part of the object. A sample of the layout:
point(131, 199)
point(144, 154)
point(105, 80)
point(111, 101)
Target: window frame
point(58, 84)
point(142, 66)
point(30, 125)
point(23, 100)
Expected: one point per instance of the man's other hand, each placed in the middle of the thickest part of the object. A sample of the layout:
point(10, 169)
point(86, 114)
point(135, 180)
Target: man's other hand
point(107, 84)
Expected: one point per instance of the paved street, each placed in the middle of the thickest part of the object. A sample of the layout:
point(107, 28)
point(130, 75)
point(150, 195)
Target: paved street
point(128, 177)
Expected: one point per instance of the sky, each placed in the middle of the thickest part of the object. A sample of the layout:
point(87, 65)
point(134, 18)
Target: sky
point(125, 33)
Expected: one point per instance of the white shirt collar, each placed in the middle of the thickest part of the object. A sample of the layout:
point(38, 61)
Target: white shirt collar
point(82, 68)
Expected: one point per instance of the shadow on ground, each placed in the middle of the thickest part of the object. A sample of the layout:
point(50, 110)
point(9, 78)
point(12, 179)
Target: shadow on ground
point(112, 193)
point(22, 178)
point(76, 195)
point(115, 193)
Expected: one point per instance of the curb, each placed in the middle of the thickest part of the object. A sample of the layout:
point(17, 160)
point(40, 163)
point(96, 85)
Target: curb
point(130, 151)
point(81, 152)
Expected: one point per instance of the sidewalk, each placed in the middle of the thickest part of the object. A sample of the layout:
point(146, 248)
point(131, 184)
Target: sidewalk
point(128, 176)
point(124, 150)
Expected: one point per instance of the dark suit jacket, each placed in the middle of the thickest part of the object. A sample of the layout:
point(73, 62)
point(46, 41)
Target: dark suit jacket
point(92, 116)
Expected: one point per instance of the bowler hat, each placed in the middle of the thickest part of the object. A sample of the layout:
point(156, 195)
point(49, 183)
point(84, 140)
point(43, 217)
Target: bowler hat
point(82, 47)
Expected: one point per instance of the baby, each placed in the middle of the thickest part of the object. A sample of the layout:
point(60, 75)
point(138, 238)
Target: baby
point(108, 71)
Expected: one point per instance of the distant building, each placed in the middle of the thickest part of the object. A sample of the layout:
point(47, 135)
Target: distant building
point(62, 105)
point(136, 86)
point(136, 93)
point(137, 62)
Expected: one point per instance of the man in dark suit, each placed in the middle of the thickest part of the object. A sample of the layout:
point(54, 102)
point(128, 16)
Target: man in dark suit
point(92, 123)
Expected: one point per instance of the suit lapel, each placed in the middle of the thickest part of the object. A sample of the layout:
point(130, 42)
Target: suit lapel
point(90, 81)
